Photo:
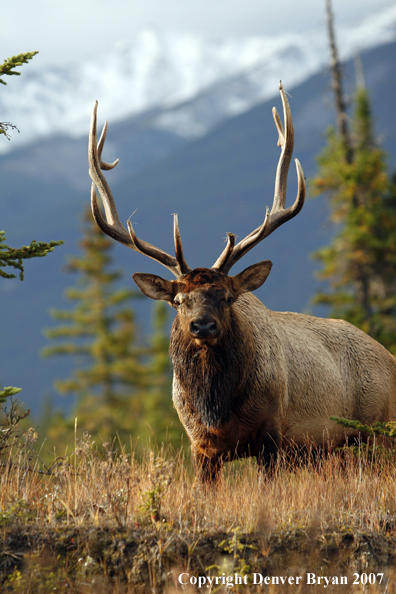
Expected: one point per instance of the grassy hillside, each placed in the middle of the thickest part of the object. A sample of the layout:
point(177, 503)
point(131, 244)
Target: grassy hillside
point(118, 524)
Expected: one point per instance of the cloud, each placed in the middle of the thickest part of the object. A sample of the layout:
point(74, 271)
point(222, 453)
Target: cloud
point(65, 30)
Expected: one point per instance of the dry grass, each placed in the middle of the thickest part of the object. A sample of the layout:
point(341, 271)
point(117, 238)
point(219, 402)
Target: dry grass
point(106, 522)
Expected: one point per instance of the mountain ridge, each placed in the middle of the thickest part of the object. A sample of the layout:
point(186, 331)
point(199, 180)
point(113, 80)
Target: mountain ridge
point(194, 81)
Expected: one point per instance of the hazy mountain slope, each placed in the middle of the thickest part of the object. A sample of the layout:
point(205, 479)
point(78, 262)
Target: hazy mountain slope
point(221, 182)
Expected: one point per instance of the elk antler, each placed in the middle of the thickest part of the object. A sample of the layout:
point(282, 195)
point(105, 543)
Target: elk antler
point(112, 226)
point(279, 214)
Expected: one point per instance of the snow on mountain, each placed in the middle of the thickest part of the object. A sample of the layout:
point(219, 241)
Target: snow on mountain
point(194, 81)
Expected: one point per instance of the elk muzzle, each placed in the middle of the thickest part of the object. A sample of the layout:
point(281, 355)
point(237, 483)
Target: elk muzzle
point(204, 329)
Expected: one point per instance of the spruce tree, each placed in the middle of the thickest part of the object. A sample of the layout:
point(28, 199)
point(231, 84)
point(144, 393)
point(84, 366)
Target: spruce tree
point(13, 257)
point(100, 334)
point(360, 262)
point(7, 68)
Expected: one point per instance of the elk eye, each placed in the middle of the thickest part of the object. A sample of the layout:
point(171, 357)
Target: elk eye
point(230, 300)
point(176, 303)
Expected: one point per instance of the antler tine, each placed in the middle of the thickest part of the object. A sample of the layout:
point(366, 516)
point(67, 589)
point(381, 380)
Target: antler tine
point(147, 249)
point(184, 267)
point(226, 253)
point(286, 142)
point(279, 214)
point(112, 226)
point(103, 164)
point(95, 166)
point(232, 254)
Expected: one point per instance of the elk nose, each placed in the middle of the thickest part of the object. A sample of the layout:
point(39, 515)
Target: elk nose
point(204, 328)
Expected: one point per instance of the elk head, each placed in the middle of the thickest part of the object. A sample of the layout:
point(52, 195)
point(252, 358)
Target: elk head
point(203, 297)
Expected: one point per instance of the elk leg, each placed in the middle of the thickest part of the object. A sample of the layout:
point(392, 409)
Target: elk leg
point(207, 469)
point(266, 457)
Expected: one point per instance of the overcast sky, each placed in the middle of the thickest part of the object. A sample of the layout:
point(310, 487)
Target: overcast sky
point(64, 30)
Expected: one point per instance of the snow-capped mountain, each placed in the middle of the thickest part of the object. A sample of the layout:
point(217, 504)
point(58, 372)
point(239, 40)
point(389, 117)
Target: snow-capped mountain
point(193, 82)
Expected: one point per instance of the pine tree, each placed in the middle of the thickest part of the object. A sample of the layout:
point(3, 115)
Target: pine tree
point(360, 262)
point(13, 257)
point(100, 334)
point(7, 68)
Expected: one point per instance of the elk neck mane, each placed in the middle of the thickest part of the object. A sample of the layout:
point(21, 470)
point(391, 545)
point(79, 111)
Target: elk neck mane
point(210, 376)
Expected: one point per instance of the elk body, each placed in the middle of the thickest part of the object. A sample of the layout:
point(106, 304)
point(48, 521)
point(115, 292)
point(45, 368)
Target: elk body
point(249, 381)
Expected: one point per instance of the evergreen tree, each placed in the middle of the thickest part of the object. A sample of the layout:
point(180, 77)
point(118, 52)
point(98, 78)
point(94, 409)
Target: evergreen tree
point(100, 333)
point(7, 68)
point(13, 257)
point(360, 262)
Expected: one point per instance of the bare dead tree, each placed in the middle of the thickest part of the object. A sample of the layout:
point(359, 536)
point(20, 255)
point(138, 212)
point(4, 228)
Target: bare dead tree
point(363, 275)
point(337, 84)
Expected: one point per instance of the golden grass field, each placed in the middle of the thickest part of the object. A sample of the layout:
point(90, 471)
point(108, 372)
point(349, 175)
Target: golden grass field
point(102, 522)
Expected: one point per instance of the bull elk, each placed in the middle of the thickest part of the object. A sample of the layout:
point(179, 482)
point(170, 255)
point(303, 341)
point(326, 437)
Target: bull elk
point(249, 381)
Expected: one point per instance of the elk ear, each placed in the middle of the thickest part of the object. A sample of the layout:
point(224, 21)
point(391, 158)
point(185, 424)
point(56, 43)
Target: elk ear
point(154, 286)
point(251, 278)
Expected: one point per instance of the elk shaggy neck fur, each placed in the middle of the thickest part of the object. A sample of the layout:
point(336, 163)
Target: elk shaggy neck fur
point(211, 375)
